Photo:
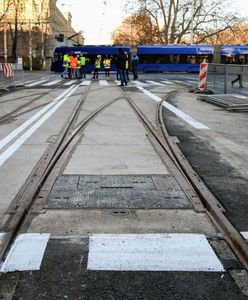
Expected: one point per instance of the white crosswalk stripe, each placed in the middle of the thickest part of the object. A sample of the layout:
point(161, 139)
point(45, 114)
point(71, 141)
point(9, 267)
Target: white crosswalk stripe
point(155, 82)
point(36, 83)
point(152, 252)
point(52, 82)
point(103, 82)
point(70, 82)
point(167, 82)
point(139, 83)
point(86, 82)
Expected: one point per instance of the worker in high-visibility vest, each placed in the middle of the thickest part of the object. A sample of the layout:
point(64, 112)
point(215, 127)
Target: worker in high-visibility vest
point(127, 66)
point(107, 64)
point(78, 67)
point(66, 61)
point(73, 66)
point(97, 66)
point(82, 62)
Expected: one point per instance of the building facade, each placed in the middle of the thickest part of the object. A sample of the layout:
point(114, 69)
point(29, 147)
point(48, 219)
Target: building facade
point(31, 29)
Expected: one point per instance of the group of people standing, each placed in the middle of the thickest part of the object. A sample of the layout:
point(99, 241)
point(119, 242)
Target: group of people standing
point(74, 66)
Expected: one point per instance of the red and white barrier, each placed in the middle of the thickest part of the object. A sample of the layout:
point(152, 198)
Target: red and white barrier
point(7, 70)
point(202, 85)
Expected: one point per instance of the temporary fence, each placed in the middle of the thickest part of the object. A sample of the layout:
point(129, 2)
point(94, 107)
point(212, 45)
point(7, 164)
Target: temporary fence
point(11, 75)
point(224, 78)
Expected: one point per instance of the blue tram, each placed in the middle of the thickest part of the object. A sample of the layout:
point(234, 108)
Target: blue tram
point(158, 58)
point(89, 51)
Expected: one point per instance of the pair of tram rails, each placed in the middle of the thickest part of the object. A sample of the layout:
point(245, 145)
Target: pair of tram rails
point(34, 193)
point(159, 58)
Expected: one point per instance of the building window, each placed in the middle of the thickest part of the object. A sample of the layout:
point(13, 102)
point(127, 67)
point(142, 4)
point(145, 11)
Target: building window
point(22, 8)
point(36, 8)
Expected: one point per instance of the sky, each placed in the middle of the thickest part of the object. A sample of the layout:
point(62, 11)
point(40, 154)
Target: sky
point(98, 18)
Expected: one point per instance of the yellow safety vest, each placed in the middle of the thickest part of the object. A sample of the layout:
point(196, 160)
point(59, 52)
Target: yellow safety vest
point(82, 61)
point(66, 60)
point(107, 63)
point(97, 64)
point(127, 64)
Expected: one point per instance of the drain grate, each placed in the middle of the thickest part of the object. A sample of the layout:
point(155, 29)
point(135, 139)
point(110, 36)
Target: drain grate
point(117, 192)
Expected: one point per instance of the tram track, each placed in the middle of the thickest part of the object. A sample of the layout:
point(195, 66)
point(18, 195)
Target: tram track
point(201, 196)
point(30, 192)
point(18, 111)
point(32, 198)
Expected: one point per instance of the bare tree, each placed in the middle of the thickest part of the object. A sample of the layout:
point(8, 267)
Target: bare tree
point(136, 29)
point(184, 21)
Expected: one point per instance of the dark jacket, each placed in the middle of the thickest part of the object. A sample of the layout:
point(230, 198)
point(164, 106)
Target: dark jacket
point(121, 61)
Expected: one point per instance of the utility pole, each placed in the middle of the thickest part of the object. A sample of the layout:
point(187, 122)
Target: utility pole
point(30, 47)
point(5, 47)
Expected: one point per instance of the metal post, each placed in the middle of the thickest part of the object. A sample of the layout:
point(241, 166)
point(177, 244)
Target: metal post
point(30, 48)
point(42, 48)
point(226, 79)
point(5, 49)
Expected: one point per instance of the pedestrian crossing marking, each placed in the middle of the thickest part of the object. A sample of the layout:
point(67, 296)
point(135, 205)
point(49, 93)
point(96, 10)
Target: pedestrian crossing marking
point(168, 82)
point(103, 82)
point(155, 82)
point(245, 234)
point(36, 83)
point(70, 82)
point(152, 252)
point(27, 253)
point(86, 82)
point(139, 83)
point(52, 82)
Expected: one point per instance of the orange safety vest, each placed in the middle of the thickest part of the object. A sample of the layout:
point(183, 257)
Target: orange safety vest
point(73, 62)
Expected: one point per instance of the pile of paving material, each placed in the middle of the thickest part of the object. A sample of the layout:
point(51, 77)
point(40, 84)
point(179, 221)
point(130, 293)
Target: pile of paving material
point(230, 102)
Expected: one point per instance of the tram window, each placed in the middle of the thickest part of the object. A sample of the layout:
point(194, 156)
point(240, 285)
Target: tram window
point(55, 57)
point(184, 59)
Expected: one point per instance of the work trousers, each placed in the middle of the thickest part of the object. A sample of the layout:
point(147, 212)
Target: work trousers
point(123, 77)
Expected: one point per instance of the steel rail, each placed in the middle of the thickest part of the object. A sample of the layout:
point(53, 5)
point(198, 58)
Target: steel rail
point(13, 113)
point(28, 196)
point(168, 159)
point(24, 198)
point(230, 233)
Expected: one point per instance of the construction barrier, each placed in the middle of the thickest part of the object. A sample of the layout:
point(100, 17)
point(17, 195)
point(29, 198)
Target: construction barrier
point(11, 75)
point(221, 77)
point(202, 85)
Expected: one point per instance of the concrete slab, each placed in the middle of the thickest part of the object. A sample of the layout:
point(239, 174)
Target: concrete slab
point(120, 146)
point(82, 222)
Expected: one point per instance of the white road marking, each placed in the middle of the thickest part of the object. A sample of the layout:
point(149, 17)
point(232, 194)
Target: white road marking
point(152, 252)
point(117, 82)
point(175, 110)
point(86, 82)
point(139, 83)
point(239, 96)
point(103, 82)
point(167, 82)
point(52, 82)
point(36, 83)
point(70, 82)
point(245, 234)
point(21, 140)
point(18, 130)
point(155, 82)
point(27, 252)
